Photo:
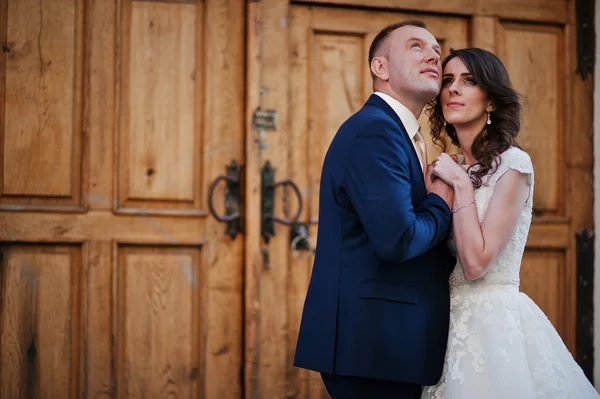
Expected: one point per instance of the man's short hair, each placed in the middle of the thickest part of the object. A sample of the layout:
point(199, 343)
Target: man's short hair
point(380, 44)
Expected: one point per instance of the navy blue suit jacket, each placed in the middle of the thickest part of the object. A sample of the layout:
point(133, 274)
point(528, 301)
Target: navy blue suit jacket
point(377, 304)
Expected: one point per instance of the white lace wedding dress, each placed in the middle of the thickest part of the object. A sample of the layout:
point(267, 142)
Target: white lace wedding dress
point(501, 345)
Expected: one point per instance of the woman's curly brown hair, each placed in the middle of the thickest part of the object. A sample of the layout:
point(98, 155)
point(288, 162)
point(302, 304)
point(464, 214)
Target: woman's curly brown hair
point(491, 76)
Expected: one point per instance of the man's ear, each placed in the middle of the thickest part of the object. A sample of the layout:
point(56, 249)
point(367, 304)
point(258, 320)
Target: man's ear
point(380, 68)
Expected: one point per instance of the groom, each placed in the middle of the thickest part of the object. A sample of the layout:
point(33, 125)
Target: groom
point(375, 320)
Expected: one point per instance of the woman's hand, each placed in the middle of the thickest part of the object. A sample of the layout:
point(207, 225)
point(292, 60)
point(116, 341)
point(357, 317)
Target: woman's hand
point(447, 169)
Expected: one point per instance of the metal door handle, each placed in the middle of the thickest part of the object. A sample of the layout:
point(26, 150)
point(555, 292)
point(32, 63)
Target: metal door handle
point(268, 186)
point(232, 214)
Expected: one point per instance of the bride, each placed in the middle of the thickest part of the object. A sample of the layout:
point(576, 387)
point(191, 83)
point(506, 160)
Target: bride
point(501, 345)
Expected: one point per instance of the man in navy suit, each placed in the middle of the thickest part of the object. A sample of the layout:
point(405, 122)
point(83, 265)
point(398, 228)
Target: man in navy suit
point(375, 319)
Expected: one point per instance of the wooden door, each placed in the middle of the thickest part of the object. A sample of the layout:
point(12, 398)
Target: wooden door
point(325, 78)
point(116, 117)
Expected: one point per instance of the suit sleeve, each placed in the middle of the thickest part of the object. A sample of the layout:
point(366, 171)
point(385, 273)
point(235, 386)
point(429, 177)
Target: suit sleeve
point(377, 182)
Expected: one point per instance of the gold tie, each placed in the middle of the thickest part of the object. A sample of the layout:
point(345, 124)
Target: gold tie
point(421, 149)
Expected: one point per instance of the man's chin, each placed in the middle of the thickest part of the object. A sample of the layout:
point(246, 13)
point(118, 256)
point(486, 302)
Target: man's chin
point(435, 88)
point(430, 92)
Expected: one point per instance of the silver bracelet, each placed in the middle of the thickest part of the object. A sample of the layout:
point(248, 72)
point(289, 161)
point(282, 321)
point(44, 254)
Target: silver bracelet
point(461, 207)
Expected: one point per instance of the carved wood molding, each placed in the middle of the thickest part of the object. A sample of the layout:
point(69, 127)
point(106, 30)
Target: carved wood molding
point(554, 11)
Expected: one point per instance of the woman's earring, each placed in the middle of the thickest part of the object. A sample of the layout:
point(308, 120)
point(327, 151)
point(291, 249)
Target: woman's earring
point(489, 121)
point(444, 123)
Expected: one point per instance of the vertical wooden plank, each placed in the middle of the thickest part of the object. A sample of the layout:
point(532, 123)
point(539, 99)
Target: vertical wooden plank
point(100, 97)
point(4, 52)
point(222, 67)
point(78, 294)
point(252, 222)
point(300, 154)
point(81, 176)
point(123, 33)
point(483, 32)
point(98, 316)
point(274, 279)
point(267, 355)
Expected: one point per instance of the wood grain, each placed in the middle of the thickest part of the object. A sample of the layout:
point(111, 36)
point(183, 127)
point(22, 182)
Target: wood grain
point(483, 32)
point(253, 258)
point(194, 91)
point(98, 317)
point(543, 280)
point(533, 10)
point(158, 302)
point(304, 150)
point(40, 314)
point(101, 100)
point(525, 48)
point(44, 69)
point(159, 138)
point(223, 140)
point(266, 357)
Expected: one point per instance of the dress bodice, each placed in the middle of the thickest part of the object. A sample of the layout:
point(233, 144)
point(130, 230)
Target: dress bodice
point(505, 269)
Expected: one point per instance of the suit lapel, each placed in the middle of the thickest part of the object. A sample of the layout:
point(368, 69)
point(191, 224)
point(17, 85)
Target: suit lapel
point(379, 102)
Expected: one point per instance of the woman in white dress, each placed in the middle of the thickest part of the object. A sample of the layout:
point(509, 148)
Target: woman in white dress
point(500, 345)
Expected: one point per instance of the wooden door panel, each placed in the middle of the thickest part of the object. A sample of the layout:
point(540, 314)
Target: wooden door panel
point(42, 138)
point(542, 279)
point(159, 300)
point(40, 318)
point(159, 103)
point(535, 58)
point(154, 288)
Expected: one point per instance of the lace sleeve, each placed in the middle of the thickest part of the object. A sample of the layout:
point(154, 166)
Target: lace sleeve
point(518, 160)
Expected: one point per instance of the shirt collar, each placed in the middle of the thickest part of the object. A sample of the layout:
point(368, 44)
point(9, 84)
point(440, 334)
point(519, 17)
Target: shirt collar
point(408, 118)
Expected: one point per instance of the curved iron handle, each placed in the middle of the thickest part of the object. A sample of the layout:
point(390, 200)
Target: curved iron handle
point(211, 206)
point(232, 215)
point(287, 182)
point(267, 212)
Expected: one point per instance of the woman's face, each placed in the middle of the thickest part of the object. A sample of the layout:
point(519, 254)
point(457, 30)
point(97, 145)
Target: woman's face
point(464, 104)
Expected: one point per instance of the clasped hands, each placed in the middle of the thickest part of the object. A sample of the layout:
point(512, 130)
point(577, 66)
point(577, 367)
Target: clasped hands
point(442, 175)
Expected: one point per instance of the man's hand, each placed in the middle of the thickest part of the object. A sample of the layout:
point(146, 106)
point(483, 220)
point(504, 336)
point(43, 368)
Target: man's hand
point(439, 187)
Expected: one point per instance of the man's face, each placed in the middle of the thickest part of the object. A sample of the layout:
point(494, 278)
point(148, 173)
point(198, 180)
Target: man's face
point(413, 63)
